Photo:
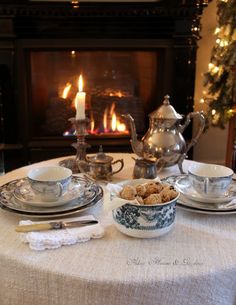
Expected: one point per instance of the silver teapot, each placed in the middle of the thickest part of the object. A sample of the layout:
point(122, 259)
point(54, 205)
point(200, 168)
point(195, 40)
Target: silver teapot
point(164, 143)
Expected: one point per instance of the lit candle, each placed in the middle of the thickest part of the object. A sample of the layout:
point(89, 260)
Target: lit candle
point(80, 101)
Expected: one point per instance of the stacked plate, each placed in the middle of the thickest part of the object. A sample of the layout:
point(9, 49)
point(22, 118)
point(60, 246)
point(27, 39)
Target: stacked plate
point(192, 201)
point(17, 197)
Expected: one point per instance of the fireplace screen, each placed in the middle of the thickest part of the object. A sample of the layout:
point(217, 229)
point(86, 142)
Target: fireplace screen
point(115, 82)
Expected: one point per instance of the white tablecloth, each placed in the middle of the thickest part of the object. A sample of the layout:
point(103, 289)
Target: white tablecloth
point(194, 264)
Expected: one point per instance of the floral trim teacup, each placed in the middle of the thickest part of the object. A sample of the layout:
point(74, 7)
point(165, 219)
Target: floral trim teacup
point(49, 183)
point(210, 180)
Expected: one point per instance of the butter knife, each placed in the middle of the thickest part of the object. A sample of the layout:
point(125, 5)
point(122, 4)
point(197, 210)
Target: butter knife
point(55, 225)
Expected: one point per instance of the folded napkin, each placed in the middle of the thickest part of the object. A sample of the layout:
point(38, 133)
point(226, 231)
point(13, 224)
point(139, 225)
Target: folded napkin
point(53, 239)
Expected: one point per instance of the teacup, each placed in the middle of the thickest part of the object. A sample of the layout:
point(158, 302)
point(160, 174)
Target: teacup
point(210, 180)
point(49, 182)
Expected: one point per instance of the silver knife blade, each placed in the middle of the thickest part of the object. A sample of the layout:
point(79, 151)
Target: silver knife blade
point(54, 225)
point(78, 223)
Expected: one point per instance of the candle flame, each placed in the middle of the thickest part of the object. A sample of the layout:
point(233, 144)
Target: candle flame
point(80, 83)
point(66, 90)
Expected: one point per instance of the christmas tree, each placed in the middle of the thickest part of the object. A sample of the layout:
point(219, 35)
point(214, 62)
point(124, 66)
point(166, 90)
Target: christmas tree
point(220, 80)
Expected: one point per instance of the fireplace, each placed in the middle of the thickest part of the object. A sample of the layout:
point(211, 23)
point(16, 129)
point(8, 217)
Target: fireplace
point(129, 55)
point(115, 82)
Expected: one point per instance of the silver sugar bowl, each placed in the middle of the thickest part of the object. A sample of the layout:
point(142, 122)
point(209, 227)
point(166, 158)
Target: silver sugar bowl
point(101, 165)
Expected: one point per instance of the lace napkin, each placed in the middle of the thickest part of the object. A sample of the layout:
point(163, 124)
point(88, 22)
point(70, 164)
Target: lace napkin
point(52, 239)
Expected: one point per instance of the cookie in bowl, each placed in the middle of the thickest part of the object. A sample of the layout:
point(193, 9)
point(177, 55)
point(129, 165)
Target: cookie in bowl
point(150, 208)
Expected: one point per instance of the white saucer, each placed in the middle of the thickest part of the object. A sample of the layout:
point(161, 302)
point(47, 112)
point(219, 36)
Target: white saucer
point(207, 207)
point(183, 185)
point(25, 195)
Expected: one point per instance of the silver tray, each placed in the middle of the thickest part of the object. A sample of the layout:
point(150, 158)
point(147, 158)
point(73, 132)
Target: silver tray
point(8, 202)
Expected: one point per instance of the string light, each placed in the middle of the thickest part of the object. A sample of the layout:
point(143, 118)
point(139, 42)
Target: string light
point(212, 68)
point(219, 80)
point(217, 30)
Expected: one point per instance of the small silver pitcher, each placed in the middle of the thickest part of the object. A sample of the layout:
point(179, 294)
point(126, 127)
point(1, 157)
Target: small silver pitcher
point(144, 169)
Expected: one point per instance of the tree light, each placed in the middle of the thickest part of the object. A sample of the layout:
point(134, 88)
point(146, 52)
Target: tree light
point(217, 30)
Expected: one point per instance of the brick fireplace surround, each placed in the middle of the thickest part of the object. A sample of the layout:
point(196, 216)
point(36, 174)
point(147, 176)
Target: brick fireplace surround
point(169, 28)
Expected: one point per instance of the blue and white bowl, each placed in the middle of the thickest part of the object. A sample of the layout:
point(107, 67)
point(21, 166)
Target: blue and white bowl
point(145, 221)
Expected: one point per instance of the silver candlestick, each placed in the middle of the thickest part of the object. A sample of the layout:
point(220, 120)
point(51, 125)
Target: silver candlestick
point(81, 146)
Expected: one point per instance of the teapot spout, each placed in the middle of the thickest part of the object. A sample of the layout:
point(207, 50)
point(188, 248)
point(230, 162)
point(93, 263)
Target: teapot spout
point(137, 146)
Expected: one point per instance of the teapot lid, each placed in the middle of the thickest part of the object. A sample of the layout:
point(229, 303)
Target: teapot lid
point(100, 157)
point(166, 111)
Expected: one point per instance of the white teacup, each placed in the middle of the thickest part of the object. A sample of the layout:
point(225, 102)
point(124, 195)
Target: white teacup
point(210, 180)
point(49, 182)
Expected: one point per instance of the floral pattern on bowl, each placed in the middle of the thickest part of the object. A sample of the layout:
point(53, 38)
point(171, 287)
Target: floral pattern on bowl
point(145, 221)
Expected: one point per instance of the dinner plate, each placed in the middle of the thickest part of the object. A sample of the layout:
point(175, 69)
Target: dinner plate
point(183, 206)
point(94, 202)
point(183, 185)
point(209, 207)
point(8, 200)
point(26, 195)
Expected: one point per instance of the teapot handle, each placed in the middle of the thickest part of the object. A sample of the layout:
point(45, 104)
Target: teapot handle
point(194, 139)
point(121, 161)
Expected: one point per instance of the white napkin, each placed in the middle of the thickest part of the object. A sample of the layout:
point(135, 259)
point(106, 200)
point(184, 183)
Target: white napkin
point(53, 239)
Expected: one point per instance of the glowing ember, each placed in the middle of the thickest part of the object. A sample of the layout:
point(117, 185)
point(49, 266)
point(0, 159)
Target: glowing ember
point(66, 133)
point(121, 127)
point(116, 93)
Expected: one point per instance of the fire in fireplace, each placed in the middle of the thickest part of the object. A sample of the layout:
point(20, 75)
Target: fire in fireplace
point(115, 82)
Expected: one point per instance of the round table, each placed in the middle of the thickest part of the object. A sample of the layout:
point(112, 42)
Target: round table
point(193, 264)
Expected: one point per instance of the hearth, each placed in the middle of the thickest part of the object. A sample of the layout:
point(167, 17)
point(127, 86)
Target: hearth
point(129, 55)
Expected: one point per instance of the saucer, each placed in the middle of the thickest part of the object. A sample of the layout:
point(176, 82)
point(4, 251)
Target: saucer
point(183, 185)
point(26, 195)
point(8, 202)
point(226, 207)
point(204, 211)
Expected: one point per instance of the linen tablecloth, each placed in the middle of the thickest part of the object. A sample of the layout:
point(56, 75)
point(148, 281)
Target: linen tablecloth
point(194, 264)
